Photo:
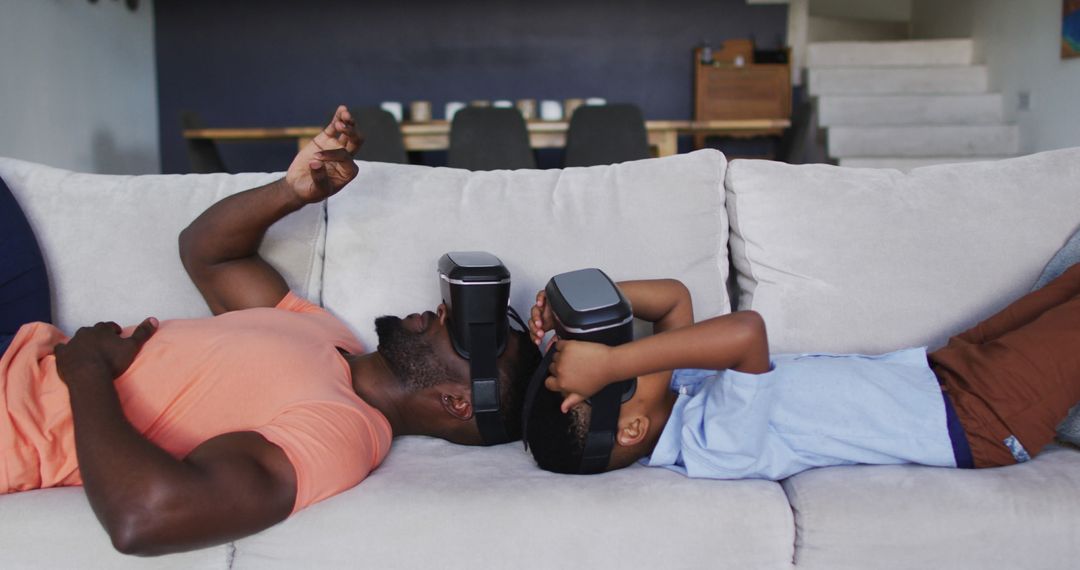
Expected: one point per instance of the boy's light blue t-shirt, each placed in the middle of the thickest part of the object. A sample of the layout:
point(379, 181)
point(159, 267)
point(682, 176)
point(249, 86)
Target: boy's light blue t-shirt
point(811, 410)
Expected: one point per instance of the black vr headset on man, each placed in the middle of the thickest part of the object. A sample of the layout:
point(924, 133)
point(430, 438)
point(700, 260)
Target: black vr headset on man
point(475, 287)
point(588, 306)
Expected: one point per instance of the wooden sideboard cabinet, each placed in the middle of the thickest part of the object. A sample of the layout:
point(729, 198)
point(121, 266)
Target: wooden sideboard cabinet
point(724, 90)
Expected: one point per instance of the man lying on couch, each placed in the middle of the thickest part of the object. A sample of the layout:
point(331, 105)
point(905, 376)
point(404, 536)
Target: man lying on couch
point(188, 433)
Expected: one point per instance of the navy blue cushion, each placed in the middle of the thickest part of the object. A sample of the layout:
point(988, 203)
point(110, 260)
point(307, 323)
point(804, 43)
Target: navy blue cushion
point(24, 284)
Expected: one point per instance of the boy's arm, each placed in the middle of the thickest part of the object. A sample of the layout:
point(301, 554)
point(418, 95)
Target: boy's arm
point(220, 248)
point(736, 341)
point(664, 302)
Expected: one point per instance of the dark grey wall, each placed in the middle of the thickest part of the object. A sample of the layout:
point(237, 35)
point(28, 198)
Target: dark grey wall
point(280, 62)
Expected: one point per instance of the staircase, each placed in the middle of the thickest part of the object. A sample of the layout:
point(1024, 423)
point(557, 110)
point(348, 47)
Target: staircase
point(904, 104)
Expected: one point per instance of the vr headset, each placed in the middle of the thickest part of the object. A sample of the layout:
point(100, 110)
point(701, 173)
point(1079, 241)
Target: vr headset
point(475, 287)
point(588, 306)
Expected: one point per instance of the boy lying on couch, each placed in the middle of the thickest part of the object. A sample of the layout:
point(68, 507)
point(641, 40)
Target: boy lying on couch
point(189, 433)
point(712, 402)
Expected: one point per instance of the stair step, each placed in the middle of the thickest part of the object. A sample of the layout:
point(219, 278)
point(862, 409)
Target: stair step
point(907, 53)
point(907, 164)
point(867, 110)
point(923, 141)
point(898, 80)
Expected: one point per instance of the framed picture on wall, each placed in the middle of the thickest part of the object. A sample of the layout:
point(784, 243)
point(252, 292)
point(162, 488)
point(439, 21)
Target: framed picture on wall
point(1070, 29)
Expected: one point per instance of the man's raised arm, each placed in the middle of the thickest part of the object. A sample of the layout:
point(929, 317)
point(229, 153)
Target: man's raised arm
point(220, 249)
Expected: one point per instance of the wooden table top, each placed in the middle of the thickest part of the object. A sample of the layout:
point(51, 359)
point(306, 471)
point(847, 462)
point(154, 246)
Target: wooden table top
point(443, 127)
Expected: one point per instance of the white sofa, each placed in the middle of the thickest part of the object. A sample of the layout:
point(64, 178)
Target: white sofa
point(835, 259)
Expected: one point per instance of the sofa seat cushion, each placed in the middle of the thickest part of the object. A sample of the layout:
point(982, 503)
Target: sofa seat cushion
point(1021, 516)
point(866, 260)
point(437, 505)
point(55, 528)
point(661, 217)
point(110, 242)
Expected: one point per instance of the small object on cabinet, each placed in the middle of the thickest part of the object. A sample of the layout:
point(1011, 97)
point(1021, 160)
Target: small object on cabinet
point(551, 110)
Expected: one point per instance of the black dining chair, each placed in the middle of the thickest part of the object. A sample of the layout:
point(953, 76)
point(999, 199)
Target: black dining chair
point(489, 138)
point(606, 134)
point(382, 136)
point(202, 153)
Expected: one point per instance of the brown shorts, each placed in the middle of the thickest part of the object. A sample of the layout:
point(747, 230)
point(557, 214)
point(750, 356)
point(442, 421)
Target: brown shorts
point(1013, 377)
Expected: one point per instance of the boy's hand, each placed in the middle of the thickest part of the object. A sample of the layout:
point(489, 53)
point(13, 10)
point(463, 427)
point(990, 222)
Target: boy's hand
point(541, 319)
point(100, 349)
point(325, 164)
point(579, 370)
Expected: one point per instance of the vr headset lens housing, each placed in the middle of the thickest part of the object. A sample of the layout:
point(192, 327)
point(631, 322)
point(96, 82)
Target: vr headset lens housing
point(475, 287)
point(588, 306)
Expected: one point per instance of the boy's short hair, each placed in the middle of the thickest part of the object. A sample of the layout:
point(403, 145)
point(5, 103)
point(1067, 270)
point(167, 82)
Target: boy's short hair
point(557, 440)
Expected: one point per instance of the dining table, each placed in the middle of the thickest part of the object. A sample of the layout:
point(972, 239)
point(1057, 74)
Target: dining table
point(435, 135)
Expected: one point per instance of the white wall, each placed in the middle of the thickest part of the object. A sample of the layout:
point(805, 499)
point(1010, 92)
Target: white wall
point(881, 10)
point(77, 85)
point(1021, 44)
point(943, 18)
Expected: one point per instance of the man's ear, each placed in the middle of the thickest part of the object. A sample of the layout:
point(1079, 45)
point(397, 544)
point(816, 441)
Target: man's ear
point(442, 313)
point(456, 400)
point(632, 430)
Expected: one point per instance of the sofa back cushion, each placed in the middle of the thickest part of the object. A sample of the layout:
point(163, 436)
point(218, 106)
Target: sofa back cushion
point(110, 242)
point(865, 260)
point(649, 218)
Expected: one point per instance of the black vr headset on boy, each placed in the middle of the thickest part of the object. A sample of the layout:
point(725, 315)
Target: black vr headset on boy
point(475, 287)
point(588, 306)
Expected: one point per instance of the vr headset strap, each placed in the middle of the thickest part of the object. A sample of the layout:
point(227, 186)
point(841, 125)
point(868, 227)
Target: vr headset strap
point(535, 383)
point(485, 383)
point(602, 427)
